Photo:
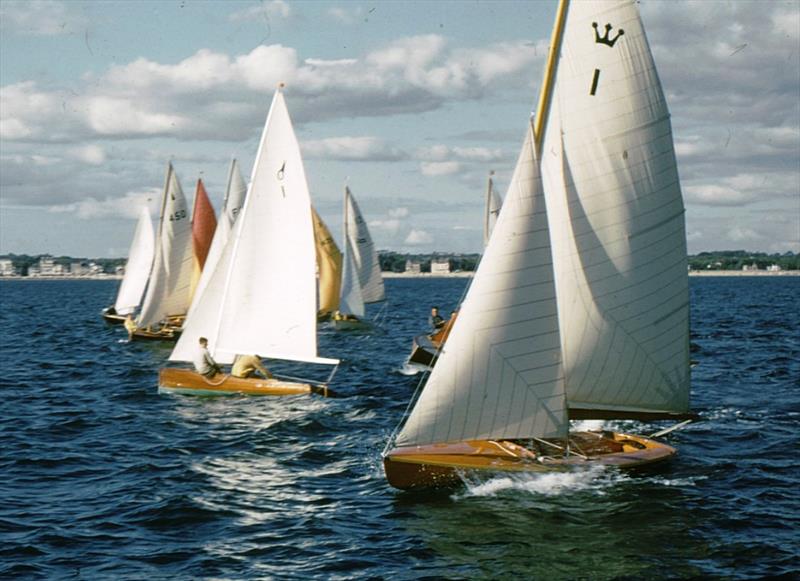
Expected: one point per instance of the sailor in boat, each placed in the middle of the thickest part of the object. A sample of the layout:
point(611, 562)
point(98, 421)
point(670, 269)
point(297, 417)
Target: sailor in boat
point(435, 320)
point(249, 366)
point(204, 364)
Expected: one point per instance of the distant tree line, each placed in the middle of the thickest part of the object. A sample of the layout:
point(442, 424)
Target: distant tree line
point(396, 262)
point(736, 259)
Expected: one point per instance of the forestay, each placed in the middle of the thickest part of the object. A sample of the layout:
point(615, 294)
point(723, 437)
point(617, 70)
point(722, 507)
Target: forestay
point(261, 298)
point(169, 286)
point(617, 218)
point(500, 373)
point(137, 268)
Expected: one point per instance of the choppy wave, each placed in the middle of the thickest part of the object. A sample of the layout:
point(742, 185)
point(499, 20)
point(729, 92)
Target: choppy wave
point(103, 478)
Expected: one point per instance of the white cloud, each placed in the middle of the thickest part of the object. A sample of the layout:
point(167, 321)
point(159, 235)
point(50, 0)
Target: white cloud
point(39, 17)
point(439, 168)
point(273, 8)
point(127, 206)
point(399, 212)
point(212, 95)
point(352, 149)
point(348, 15)
point(740, 234)
point(89, 154)
point(418, 238)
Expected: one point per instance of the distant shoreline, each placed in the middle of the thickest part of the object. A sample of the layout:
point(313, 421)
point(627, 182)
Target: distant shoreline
point(443, 275)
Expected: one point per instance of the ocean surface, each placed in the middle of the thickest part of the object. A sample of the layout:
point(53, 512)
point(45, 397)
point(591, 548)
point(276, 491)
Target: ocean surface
point(103, 478)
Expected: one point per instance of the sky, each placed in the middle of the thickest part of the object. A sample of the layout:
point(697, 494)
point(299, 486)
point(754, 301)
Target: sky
point(410, 103)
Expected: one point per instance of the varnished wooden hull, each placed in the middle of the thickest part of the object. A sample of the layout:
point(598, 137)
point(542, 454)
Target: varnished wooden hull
point(423, 352)
point(443, 465)
point(162, 334)
point(113, 318)
point(351, 325)
point(186, 381)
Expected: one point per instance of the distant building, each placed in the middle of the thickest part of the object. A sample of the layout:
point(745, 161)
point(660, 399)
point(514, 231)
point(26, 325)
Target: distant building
point(413, 267)
point(774, 268)
point(440, 266)
point(750, 267)
point(47, 267)
point(7, 267)
point(78, 269)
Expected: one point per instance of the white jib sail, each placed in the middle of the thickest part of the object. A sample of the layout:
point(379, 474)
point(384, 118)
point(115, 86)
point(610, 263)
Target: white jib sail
point(500, 373)
point(351, 301)
point(365, 258)
point(616, 218)
point(231, 206)
point(169, 288)
point(492, 210)
point(261, 298)
point(137, 268)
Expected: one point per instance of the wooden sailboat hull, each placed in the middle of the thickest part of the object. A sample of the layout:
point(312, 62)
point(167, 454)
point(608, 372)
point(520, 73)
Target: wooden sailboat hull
point(113, 318)
point(186, 381)
point(351, 325)
point(443, 465)
point(162, 334)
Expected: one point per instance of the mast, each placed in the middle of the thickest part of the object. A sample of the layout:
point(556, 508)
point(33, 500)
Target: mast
point(543, 108)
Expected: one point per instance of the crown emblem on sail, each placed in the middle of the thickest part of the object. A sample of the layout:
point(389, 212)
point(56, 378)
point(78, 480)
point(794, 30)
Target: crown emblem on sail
point(605, 39)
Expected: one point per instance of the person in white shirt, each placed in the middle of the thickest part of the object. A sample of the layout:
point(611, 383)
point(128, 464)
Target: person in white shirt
point(204, 364)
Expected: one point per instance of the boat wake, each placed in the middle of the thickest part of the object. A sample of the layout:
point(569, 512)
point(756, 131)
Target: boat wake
point(595, 478)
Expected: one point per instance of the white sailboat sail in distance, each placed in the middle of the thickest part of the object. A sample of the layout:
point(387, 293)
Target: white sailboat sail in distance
point(365, 257)
point(137, 268)
point(169, 286)
point(362, 281)
point(579, 307)
point(231, 206)
point(261, 297)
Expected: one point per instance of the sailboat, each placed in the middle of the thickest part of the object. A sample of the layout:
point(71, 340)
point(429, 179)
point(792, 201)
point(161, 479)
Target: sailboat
point(169, 284)
point(137, 270)
point(204, 225)
point(492, 209)
point(580, 306)
point(362, 281)
point(235, 192)
point(329, 264)
point(261, 298)
point(425, 348)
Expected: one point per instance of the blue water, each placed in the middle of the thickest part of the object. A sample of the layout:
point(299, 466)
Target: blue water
point(103, 478)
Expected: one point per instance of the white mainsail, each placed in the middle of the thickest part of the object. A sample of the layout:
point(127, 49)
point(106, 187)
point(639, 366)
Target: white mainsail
point(492, 210)
point(579, 307)
point(261, 298)
point(169, 287)
point(351, 299)
point(362, 250)
point(617, 218)
point(137, 268)
point(499, 374)
point(231, 206)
